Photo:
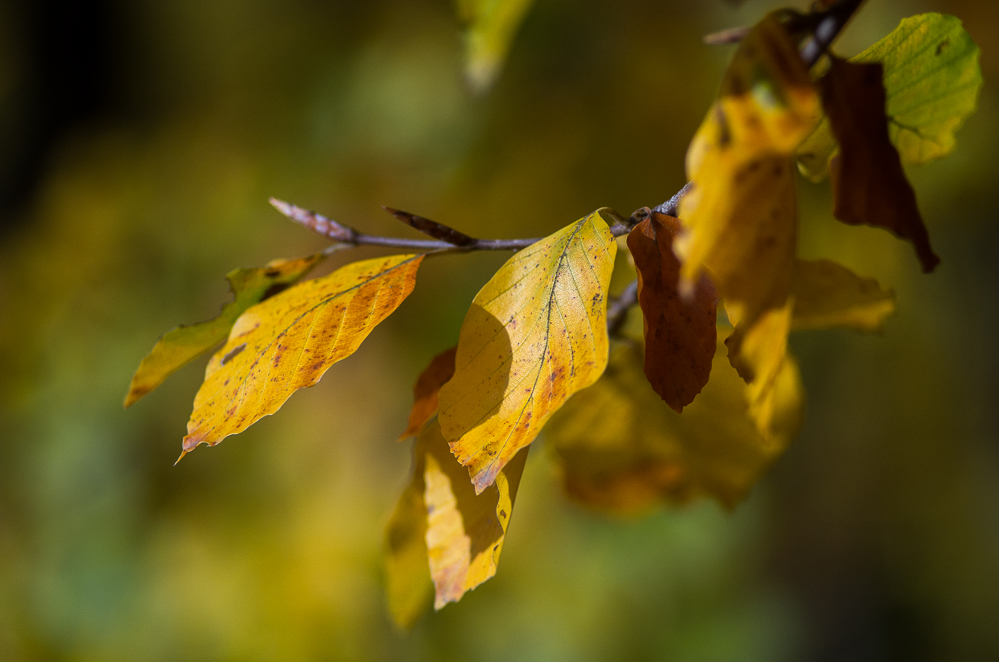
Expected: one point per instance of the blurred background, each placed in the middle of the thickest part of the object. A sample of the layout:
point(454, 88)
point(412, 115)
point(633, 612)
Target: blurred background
point(139, 142)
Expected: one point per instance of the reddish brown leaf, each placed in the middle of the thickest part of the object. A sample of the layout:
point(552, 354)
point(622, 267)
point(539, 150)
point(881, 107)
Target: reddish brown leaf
point(680, 337)
point(869, 185)
point(435, 375)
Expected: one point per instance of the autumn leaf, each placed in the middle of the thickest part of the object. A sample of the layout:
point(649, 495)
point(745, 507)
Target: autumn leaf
point(740, 215)
point(465, 529)
point(932, 79)
point(536, 333)
point(289, 341)
point(425, 391)
point(680, 337)
point(182, 345)
point(408, 586)
point(827, 294)
point(869, 185)
point(490, 29)
point(620, 449)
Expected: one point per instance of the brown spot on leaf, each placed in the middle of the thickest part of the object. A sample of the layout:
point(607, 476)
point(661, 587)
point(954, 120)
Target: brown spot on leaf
point(233, 353)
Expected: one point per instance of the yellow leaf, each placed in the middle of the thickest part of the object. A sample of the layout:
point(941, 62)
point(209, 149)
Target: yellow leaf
point(289, 341)
point(491, 26)
point(828, 294)
point(408, 585)
point(465, 530)
point(425, 391)
point(741, 214)
point(185, 343)
point(623, 450)
point(535, 334)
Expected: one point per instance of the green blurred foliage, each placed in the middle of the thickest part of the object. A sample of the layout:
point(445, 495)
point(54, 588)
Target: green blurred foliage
point(874, 537)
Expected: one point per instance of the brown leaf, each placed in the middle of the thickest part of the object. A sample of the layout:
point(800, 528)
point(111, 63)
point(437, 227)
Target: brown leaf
point(869, 185)
point(680, 336)
point(430, 381)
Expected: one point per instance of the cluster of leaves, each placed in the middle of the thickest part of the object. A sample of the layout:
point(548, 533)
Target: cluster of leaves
point(537, 348)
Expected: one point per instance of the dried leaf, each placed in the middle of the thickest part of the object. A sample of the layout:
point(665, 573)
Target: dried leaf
point(289, 341)
point(622, 450)
point(182, 345)
point(428, 384)
point(491, 26)
point(827, 294)
point(869, 185)
point(680, 337)
point(465, 530)
point(408, 585)
point(741, 213)
point(932, 79)
point(535, 334)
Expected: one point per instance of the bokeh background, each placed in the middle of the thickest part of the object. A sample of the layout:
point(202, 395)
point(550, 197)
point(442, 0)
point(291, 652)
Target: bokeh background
point(139, 141)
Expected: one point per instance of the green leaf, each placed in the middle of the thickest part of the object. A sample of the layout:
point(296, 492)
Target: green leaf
point(932, 79)
point(179, 347)
point(490, 28)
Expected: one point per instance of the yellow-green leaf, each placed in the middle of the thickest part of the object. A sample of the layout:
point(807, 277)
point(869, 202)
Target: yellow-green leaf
point(408, 586)
point(932, 79)
point(182, 345)
point(740, 215)
point(623, 450)
point(490, 29)
point(827, 294)
point(465, 530)
point(289, 341)
point(536, 333)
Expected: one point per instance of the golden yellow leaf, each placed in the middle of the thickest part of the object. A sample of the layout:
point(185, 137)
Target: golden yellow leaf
point(828, 294)
point(622, 450)
point(182, 345)
point(465, 530)
point(408, 586)
point(425, 391)
point(741, 213)
point(536, 333)
point(289, 341)
point(491, 26)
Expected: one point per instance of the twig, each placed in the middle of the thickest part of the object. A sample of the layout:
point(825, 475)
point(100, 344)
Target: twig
point(617, 308)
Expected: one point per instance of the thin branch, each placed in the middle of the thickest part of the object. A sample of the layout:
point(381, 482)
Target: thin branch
point(617, 308)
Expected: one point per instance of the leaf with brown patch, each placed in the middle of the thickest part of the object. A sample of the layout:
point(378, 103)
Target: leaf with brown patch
point(179, 347)
point(680, 336)
point(425, 391)
point(292, 339)
point(869, 185)
point(535, 334)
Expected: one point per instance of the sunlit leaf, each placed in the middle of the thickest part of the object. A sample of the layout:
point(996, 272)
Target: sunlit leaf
point(465, 530)
point(680, 337)
point(408, 586)
point(536, 333)
point(182, 345)
point(869, 185)
point(425, 391)
point(741, 213)
point(827, 294)
point(490, 28)
point(932, 79)
point(623, 450)
point(289, 341)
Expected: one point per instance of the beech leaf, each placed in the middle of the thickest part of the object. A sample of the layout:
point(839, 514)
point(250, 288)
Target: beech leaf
point(289, 341)
point(932, 79)
point(536, 333)
point(740, 215)
point(869, 185)
point(622, 450)
point(828, 294)
point(425, 391)
point(465, 529)
point(490, 28)
point(680, 337)
point(182, 345)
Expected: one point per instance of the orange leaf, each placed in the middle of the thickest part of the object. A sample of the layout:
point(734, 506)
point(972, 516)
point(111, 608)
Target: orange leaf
point(869, 185)
point(680, 337)
point(430, 381)
point(289, 341)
